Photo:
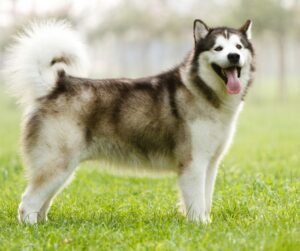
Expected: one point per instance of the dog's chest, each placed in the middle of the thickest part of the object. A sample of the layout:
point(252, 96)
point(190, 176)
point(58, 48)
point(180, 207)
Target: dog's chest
point(209, 134)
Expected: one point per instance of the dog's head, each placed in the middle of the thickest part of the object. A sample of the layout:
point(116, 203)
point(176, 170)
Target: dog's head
point(223, 55)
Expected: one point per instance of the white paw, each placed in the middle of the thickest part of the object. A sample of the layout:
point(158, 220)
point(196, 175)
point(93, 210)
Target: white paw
point(207, 220)
point(207, 216)
point(29, 217)
point(198, 217)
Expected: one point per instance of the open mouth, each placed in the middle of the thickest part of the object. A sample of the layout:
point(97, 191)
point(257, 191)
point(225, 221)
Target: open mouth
point(230, 76)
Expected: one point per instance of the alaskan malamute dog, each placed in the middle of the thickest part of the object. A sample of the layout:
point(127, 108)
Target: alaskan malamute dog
point(181, 120)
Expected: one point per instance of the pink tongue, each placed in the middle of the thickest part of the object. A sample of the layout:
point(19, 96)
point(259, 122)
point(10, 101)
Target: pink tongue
point(233, 85)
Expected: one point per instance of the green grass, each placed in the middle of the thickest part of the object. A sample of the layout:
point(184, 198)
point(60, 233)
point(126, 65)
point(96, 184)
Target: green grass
point(256, 202)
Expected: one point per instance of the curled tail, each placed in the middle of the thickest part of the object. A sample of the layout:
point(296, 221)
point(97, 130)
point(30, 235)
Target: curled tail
point(33, 62)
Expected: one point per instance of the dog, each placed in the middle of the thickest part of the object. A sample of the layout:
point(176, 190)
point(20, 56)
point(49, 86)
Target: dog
point(181, 120)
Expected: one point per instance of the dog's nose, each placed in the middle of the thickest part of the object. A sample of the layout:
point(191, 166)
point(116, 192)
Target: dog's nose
point(233, 58)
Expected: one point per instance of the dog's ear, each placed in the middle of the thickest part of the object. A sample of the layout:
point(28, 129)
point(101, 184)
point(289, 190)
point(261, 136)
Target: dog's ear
point(200, 30)
point(246, 29)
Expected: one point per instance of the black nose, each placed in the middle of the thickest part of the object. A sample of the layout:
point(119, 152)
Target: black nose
point(233, 58)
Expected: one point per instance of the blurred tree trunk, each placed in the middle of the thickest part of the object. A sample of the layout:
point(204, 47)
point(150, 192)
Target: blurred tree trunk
point(13, 12)
point(282, 68)
point(297, 58)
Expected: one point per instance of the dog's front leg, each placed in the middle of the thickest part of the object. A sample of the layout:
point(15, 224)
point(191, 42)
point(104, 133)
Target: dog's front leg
point(211, 174)
point(192, 186)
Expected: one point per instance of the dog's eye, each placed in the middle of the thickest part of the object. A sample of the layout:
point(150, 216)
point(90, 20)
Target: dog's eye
point(239, 46)
point(219, 48)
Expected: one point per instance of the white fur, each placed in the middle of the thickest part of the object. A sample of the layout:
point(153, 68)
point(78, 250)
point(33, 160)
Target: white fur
point(211, 137)
point(36, 202)
point(212, 134)
point(62, 141)
point(249, 31)
point(28, 69)
point(229, 46)
point(29, 76)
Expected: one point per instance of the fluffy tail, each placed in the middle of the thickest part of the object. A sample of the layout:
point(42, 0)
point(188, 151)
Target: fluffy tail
point(33, 62)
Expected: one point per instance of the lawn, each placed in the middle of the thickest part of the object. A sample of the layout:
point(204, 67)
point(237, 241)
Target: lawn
point(256, 203)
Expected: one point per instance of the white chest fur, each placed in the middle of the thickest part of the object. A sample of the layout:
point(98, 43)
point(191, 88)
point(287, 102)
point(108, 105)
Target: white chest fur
point(214, 133)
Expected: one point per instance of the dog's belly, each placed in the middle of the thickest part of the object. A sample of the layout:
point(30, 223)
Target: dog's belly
point(121, 155)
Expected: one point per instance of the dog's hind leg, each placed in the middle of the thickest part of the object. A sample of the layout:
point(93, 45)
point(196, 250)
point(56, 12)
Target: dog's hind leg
point(44, 183)
point(52, 146)
point(43, 214)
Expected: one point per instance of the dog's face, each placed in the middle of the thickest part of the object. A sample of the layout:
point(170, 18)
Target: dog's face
point(225, 52)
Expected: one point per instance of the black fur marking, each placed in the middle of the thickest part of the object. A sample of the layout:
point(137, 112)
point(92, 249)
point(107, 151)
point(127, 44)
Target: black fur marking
point(209, 94)
point(205, 44)
point(60, 60)
point(172, 92)
point(61, 88)
point(172, 80)
point(124, 94)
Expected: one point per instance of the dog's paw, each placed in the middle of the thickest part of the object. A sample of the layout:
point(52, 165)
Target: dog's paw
point(199, 218)
point(30, 217)
point(207, 217)
point(207, 220)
